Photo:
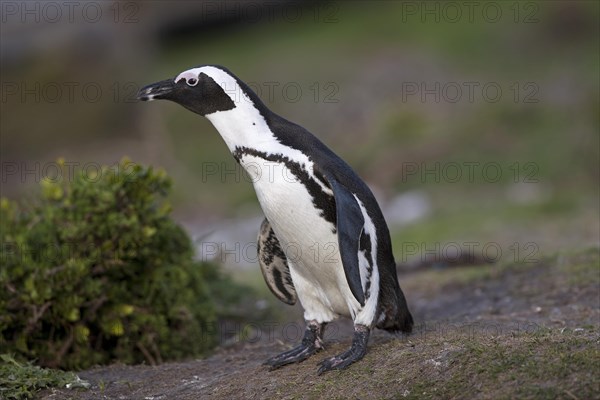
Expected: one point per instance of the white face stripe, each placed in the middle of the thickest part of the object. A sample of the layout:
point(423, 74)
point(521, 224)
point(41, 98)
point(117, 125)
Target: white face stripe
point(227, 82)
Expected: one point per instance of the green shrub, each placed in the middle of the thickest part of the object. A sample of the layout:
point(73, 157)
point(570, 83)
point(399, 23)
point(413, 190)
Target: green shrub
point(96, 271)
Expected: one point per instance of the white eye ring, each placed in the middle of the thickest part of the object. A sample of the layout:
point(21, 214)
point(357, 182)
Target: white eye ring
point(191, 81)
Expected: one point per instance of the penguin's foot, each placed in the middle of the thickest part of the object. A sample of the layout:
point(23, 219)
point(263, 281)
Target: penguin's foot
point(311, 343)
point(355, 353)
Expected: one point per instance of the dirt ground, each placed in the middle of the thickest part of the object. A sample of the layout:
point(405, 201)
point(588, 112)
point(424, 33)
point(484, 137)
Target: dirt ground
point(492, 331)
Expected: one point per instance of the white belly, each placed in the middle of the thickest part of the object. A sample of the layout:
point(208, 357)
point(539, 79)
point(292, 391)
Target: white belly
point(307, 239)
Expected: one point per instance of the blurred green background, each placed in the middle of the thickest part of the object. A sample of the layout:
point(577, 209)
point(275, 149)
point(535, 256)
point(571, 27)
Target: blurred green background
point(471, 121)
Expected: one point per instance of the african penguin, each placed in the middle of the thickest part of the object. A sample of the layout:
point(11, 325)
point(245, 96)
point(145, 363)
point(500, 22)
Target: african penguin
point(324, 240)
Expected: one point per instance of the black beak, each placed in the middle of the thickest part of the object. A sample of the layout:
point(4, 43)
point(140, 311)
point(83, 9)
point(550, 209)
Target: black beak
point(158, 90)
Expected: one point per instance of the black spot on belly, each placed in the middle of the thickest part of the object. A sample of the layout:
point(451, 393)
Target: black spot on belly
point(323, 201)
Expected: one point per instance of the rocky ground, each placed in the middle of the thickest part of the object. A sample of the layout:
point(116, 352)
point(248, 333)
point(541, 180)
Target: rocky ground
point(495, 331)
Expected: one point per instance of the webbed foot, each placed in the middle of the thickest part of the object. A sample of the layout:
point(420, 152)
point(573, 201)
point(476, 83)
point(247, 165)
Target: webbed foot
point(312, 342)
point(355, 353)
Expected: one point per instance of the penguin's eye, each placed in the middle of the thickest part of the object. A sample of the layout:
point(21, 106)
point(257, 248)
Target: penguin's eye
point(192, 81)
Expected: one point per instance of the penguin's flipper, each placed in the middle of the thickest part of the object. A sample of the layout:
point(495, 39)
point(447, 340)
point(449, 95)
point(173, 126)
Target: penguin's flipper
point(350, 224)
point(274, 265)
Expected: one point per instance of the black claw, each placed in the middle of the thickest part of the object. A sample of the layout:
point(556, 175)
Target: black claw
point(295, 355)
point(311, 343)
point(355, 353)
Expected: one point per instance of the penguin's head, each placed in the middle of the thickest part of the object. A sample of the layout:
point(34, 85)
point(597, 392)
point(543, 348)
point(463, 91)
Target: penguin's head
point(203, 90)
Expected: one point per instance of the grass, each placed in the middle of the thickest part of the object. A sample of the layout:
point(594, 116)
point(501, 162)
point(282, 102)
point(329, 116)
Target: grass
point(23, 380)
point(544, 363)
point(534, 365)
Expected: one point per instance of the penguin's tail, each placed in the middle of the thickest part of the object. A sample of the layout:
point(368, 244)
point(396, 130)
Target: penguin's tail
point(404, 319)
point(396, 317)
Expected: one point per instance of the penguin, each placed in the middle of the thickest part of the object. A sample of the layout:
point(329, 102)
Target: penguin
point(324, 240)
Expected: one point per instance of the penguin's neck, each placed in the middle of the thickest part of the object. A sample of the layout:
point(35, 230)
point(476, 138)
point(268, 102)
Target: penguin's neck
point(244, 126)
